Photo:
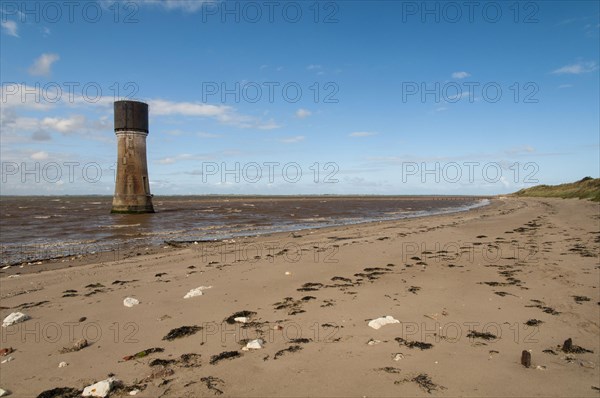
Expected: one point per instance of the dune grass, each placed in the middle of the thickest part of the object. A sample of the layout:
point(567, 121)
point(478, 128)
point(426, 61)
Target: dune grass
point(586, 188)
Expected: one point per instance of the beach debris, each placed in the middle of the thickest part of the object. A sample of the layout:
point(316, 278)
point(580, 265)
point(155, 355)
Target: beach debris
point(25, 306)
point(424, 381)
point(160, 373)
point(134, 392)
point(253, 345)
point(293, 306)
point(212, 383)
point(78, 345)
point(82, 319)
point(277, 327)
point(63, 365)
point(130, 302)
point(7, 360)
point(587, 364)
point(99, 389)
point(389, 369)
point(190, 360)
point(196, 292)
point(94, 285)
point(310, 287)
point(143, 353)
point(15, 317)
point(571, 348)
point(414, 289)
point(580, 299)
point(60, 392)
point(5, 351)
point(293, 348)
point(373, 342)
point(182, 331)
point(224, 355)
point(3, 392)
point(526, 358)
point(481, 335)
point(301, 340)
point(539, 304)
point(161, 362)
point(288, 273)
point(379, 322)
point(397, 356)
point(413, 344)
point(240, 317)
point(534, 322)
point(540, 367)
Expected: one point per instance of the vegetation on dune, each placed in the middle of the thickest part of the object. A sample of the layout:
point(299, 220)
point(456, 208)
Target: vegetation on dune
point(586, 188)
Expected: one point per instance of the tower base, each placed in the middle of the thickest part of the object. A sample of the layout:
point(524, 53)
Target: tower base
point(132, 205)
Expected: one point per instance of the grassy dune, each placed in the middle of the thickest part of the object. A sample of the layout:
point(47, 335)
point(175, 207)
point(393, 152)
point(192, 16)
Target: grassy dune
point(587, 188)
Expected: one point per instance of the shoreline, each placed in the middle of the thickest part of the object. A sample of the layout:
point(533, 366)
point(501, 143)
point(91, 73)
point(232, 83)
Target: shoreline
point(130, 249)
point(470, 291)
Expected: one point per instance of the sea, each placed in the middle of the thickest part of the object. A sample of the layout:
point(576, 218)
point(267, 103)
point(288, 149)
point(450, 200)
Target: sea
point(41, 227)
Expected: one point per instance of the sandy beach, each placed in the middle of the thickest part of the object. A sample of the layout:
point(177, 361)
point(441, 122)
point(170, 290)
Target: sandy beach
point(470, 291)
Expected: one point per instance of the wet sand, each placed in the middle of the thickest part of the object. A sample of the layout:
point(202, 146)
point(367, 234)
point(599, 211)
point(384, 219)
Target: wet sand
point(470, 290)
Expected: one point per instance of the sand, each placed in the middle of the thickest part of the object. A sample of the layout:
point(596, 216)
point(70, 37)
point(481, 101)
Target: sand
point(463, 287)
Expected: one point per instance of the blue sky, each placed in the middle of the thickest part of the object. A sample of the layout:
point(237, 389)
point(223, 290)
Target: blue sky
point(380, 97)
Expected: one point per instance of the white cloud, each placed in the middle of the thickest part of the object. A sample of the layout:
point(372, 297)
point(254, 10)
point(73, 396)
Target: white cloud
point(293, 140)
point(460, 75)
point(577, 68)
point(161, 107)
point(15, 128)
point(222, 113)
point(68, 125)
point(182, 157)
point(523, 149)
point(39, 155)
point(202, 134)
point(565, 86)
point(362, 134)
point(42, 65)
point(302, 113)
point(314, 67)
point(10, 27)
point(268, 125)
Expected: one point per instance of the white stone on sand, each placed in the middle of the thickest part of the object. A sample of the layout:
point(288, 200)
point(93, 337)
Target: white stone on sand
point(130, 302)
point(253, 345)
point(196, 292)
point(15, 317)
point(99, 389)
point(379, 322)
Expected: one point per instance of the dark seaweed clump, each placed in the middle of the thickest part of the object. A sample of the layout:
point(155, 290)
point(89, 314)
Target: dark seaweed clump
point(293, 348)
point(224, 355)
point(182, 332)
point(478, 335)
point(414, 344)
point(61, 392)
